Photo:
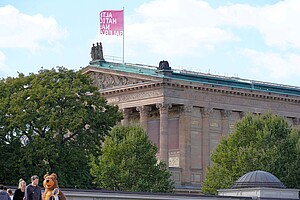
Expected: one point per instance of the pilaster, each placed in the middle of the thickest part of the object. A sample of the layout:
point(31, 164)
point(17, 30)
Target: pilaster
point(205, 112)
point(185, 142)
point(225, 114)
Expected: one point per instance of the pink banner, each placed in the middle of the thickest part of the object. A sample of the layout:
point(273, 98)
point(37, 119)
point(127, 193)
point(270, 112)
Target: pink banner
point(111, 22)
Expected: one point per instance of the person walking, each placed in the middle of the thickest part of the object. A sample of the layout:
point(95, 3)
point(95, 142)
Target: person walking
point(19, 193)
point(33, 191)
point(3, 193)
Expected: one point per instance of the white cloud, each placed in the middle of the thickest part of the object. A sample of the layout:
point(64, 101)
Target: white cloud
point(275, 65)
point(177, 27)
point(277, 23)
point(20, 30)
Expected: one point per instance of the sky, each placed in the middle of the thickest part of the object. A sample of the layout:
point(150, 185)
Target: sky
point(249, 39)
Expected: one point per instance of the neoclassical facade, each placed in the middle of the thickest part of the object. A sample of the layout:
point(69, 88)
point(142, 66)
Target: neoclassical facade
point(187, 113)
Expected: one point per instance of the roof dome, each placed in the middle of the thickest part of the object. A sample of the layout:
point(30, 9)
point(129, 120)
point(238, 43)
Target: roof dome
point(258, 179)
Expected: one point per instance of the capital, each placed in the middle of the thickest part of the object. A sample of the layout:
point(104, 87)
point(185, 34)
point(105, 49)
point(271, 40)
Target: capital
point(206, 111)
point(143, 109)
point(186, 109)
point(163, 106)
point(126, 111)
point(225, 113)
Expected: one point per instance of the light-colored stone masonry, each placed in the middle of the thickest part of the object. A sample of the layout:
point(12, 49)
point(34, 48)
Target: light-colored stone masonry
point(187, 119)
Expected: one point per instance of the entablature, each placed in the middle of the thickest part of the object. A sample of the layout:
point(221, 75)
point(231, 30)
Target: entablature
point(205, 88)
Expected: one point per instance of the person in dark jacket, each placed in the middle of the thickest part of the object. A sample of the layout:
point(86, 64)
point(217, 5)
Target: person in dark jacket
point(3, 194)
point(19, 193)
point(33, 191)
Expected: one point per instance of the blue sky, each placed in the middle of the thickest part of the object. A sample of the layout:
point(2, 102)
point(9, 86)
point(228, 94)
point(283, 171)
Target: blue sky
point(257, 39)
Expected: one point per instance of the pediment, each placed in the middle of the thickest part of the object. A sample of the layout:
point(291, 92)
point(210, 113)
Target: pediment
point(105, 81)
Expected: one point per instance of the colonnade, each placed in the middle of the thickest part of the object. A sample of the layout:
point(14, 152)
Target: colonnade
point(185, 115)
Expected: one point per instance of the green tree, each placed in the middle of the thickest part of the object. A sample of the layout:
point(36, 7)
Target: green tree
point(128, 163)
point(260, 142)
point(51, 122)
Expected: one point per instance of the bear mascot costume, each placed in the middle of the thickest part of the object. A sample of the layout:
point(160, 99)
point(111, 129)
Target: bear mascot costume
point(52, 192)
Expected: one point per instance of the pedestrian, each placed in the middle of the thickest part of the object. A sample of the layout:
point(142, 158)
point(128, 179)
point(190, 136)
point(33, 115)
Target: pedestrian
point(19, 193)
point(33, 191)
point(3, 193)
point(10, 193)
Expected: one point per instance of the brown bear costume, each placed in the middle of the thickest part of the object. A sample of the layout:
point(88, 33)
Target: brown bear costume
point(51, 188)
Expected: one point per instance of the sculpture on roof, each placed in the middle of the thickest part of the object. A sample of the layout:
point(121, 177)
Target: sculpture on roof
point(164, 65)
point(97, 52)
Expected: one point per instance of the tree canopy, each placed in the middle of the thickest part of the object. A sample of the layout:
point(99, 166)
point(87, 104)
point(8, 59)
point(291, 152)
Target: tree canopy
point(51, 122)
point(260, 142)
point(128, 163)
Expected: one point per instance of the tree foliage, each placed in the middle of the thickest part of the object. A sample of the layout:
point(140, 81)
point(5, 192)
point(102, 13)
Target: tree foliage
point(51, 122)
point(128, 163)
point(260, 142)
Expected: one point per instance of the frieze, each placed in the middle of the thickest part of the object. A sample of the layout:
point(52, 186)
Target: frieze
point(172, 93)
point(112, 99)
point(103, 81)
point(140, 95)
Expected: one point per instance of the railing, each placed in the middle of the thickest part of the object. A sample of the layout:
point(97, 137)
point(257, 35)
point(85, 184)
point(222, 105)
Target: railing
point(113, 58)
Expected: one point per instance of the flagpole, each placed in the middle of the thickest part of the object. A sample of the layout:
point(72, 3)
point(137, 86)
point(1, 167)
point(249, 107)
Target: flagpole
point(123, 33)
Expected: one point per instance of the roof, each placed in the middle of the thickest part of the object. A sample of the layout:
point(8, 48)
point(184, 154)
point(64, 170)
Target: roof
point(258, 179)
point(198, 77)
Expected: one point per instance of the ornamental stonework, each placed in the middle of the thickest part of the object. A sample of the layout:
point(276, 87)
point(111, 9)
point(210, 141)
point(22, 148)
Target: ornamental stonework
point(138, 96)
point(104, 81)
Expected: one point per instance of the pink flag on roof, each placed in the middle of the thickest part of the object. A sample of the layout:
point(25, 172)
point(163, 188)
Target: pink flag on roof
point(112, 22)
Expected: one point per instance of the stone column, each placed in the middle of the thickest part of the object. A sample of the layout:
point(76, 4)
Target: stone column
point(144, 110)
point(125, 120)
point(225, 121)
point(163, 141)
point(185, 143)
point(205, 112)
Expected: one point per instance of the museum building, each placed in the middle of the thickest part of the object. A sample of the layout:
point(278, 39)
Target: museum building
point(187, 113)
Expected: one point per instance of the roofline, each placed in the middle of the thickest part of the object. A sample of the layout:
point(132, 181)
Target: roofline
point(196, 77)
